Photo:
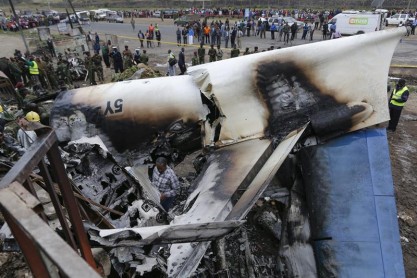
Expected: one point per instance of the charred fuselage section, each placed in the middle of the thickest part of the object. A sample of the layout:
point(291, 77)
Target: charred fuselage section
point(294, 100)
point(249, 113)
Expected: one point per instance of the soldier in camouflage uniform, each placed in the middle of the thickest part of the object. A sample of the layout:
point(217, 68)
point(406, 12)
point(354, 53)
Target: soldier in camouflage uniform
point(22, 66)
point(10, 70)
point(90, 67)
point(49, 70)
point(212, 53)
point(194, 60)
point(98, 66)
point(42, 74)
point(127, 58)
point(63, 73)
point(15, 70)
point(201, 54)
point(219, 54)
point(235, 52)
point(144, 57)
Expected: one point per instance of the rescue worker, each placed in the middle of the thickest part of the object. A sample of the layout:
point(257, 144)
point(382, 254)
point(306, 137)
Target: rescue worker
point(26, 137)
point(399, 97)
point(34, 74)
point(98, 66)
point(127, 57)
point(42, 74)
point(201, 54)
point(42, 115)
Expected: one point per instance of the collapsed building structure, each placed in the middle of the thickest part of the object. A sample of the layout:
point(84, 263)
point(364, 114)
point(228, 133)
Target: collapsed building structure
point(285, 143)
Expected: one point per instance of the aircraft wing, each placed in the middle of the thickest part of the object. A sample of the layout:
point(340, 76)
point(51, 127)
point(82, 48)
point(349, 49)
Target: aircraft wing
point(276, 94)
point(247, 167)
point(339, 85)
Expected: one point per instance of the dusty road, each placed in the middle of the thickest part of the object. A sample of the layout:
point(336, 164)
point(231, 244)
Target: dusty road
point(403, 145)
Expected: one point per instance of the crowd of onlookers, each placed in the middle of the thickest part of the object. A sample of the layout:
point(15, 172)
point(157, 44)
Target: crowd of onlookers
point(28, 20)
point(299, 14)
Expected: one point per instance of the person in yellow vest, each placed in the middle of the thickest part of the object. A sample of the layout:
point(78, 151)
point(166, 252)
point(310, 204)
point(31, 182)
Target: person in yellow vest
point(34, 74)
point(399, 97)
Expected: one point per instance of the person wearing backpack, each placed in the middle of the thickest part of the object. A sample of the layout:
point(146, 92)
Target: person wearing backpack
point(172, 61)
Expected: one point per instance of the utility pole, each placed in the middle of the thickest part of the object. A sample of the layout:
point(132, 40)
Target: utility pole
point(18, 23)
point(76, 16)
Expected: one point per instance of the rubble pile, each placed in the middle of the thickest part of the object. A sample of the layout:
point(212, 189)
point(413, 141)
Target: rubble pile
point(275, 240)
point(140, 71)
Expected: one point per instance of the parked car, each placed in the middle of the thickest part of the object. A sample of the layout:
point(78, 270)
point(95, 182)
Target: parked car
point(141, 14)
point(67, 20)
point(186, 19)
point(170, 13)
point(398, 18)
point(292, 20)
point(113, 16)
point(156, 14)
point(98, 15)
point(52, 15)
point(24, 23)
point(285, 19)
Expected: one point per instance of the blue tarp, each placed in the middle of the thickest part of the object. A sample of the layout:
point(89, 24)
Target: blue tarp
point(353, 216)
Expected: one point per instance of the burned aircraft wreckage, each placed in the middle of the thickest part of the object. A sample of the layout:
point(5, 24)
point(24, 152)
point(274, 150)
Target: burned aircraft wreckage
point(285, 144)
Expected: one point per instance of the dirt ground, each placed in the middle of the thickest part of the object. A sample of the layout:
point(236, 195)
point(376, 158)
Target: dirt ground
point(403, 151)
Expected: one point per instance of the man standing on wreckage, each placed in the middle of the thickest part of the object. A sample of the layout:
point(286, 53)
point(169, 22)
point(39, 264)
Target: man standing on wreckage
point(266, 102)
point(165, 180)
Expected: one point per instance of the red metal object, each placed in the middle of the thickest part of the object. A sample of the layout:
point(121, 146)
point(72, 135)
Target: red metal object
point(46, 144)
point(71, 204)
point(57, 205)
point(32, 255)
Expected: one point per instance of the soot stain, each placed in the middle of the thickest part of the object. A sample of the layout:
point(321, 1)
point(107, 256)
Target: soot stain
point(290, 95)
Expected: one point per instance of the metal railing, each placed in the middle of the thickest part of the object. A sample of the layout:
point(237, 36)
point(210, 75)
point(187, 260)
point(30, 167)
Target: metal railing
point(23, 213)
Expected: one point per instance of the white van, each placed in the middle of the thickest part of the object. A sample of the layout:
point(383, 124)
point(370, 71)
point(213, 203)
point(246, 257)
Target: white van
point(353, 23)
point(84, 17)
point(396, 19)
